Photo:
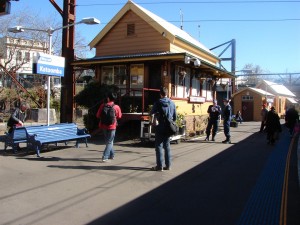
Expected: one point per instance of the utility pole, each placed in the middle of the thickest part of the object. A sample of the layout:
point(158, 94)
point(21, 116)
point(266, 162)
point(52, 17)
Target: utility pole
point(68, 42)
point(68, 81)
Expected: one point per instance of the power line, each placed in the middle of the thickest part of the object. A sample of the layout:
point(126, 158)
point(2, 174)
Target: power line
point(240, 20)
point(266, 74)
point(191, 2)
point(227, 20)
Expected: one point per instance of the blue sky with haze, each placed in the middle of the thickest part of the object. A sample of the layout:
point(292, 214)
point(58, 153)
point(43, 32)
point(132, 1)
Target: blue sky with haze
point(267, 33)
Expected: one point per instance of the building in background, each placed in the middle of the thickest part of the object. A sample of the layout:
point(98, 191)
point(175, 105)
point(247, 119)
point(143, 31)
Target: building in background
point(16, 55)
point(249, 100)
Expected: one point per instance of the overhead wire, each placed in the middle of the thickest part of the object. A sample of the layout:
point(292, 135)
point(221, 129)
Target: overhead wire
point(192, 2)
point(209, 2)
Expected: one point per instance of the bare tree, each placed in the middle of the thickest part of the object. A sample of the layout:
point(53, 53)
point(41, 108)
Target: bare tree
point(12, 44)
point(251, 74)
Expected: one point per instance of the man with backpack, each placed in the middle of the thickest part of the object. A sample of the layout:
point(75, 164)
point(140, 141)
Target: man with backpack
point(109, 113)
point(163, 108)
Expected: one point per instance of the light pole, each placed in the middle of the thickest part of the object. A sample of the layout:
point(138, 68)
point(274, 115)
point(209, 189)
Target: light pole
point(50, 31)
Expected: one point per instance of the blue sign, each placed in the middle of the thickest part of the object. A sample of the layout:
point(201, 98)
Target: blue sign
point(50, 65)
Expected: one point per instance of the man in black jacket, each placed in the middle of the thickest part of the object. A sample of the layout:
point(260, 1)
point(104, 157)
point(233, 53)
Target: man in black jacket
point(214, 112)
point(227, 119)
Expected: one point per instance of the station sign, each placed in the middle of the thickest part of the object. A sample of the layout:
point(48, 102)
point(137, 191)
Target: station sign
point(196, 99)
point(49, 65)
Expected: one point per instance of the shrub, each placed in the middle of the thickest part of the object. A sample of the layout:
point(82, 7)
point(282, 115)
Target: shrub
point(90, 98)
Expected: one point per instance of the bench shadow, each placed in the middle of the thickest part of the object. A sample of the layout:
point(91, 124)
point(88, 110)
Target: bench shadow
point(24, 152)
point(108, 167)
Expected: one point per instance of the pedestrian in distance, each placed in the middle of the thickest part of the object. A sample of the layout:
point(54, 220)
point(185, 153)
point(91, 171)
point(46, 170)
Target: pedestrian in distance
point(291, 119)
point(214, 112)
point(263, 114)
point(18, 117)
point(109, 113)
point(162, 139)
point(238, 117)
point(273, 126)
point(226, 120)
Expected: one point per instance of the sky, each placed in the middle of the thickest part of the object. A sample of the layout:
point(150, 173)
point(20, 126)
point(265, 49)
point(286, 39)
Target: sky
point(267, 33)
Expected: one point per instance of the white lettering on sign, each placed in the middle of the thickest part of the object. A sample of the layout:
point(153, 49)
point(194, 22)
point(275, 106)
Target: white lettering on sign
point(50, 65)
point(197, 99)
point(50, 70)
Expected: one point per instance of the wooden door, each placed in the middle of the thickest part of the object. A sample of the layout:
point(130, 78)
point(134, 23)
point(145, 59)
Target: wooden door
point(247, 111)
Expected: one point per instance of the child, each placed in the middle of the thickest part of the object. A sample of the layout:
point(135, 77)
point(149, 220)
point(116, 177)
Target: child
point(238, 117)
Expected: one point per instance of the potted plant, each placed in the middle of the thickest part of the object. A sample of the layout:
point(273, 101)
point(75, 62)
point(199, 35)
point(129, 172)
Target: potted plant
point(180, 122)
point(233, 123)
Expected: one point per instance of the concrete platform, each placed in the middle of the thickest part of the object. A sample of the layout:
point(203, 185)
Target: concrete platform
point(210, 182)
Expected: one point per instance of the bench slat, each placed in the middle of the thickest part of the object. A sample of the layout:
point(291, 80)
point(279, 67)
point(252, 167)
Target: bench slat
point(36, 136)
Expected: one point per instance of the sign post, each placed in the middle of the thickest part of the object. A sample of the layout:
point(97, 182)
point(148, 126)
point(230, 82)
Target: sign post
point(49, 65)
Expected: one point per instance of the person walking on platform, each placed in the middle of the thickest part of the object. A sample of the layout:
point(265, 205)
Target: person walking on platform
point(214, 112)
point(238, 117)
point(226, 120)
point(291, 118)
point(263, 114)
point(273, 125)
point(162, 140)
point(109, 113)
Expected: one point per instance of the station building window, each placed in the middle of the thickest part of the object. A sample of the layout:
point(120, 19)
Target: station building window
point(136, 75)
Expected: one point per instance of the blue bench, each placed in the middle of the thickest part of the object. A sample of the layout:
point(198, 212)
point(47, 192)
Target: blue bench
point(18, 135)
point(37, 136)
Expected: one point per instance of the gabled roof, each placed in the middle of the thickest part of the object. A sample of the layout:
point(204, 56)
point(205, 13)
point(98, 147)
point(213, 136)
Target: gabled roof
point(171, 31)
point(292, 100)
point(256, 90)
point(279, 89)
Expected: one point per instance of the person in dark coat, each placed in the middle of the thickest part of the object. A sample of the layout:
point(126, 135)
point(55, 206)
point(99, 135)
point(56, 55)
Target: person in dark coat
point(226, 120)
point(291, 118)
point(263, 113)
point(273, 125)
point(214, 112)
point(162, 139)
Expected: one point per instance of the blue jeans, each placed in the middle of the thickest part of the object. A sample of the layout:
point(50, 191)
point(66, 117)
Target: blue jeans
point(162, 149)
point(109, 136)
point(227, 129)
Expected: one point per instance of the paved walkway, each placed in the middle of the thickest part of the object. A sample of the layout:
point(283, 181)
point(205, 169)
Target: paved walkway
point(210, 183)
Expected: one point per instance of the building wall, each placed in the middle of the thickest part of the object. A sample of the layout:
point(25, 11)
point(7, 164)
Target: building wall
point(257, 103)
point(145, 40)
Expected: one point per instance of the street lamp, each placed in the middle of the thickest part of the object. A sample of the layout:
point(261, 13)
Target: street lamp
point(50, 31)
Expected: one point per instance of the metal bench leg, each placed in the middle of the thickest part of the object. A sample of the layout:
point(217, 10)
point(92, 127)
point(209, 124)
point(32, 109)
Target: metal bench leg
point(37, 150)
point(14, 148)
